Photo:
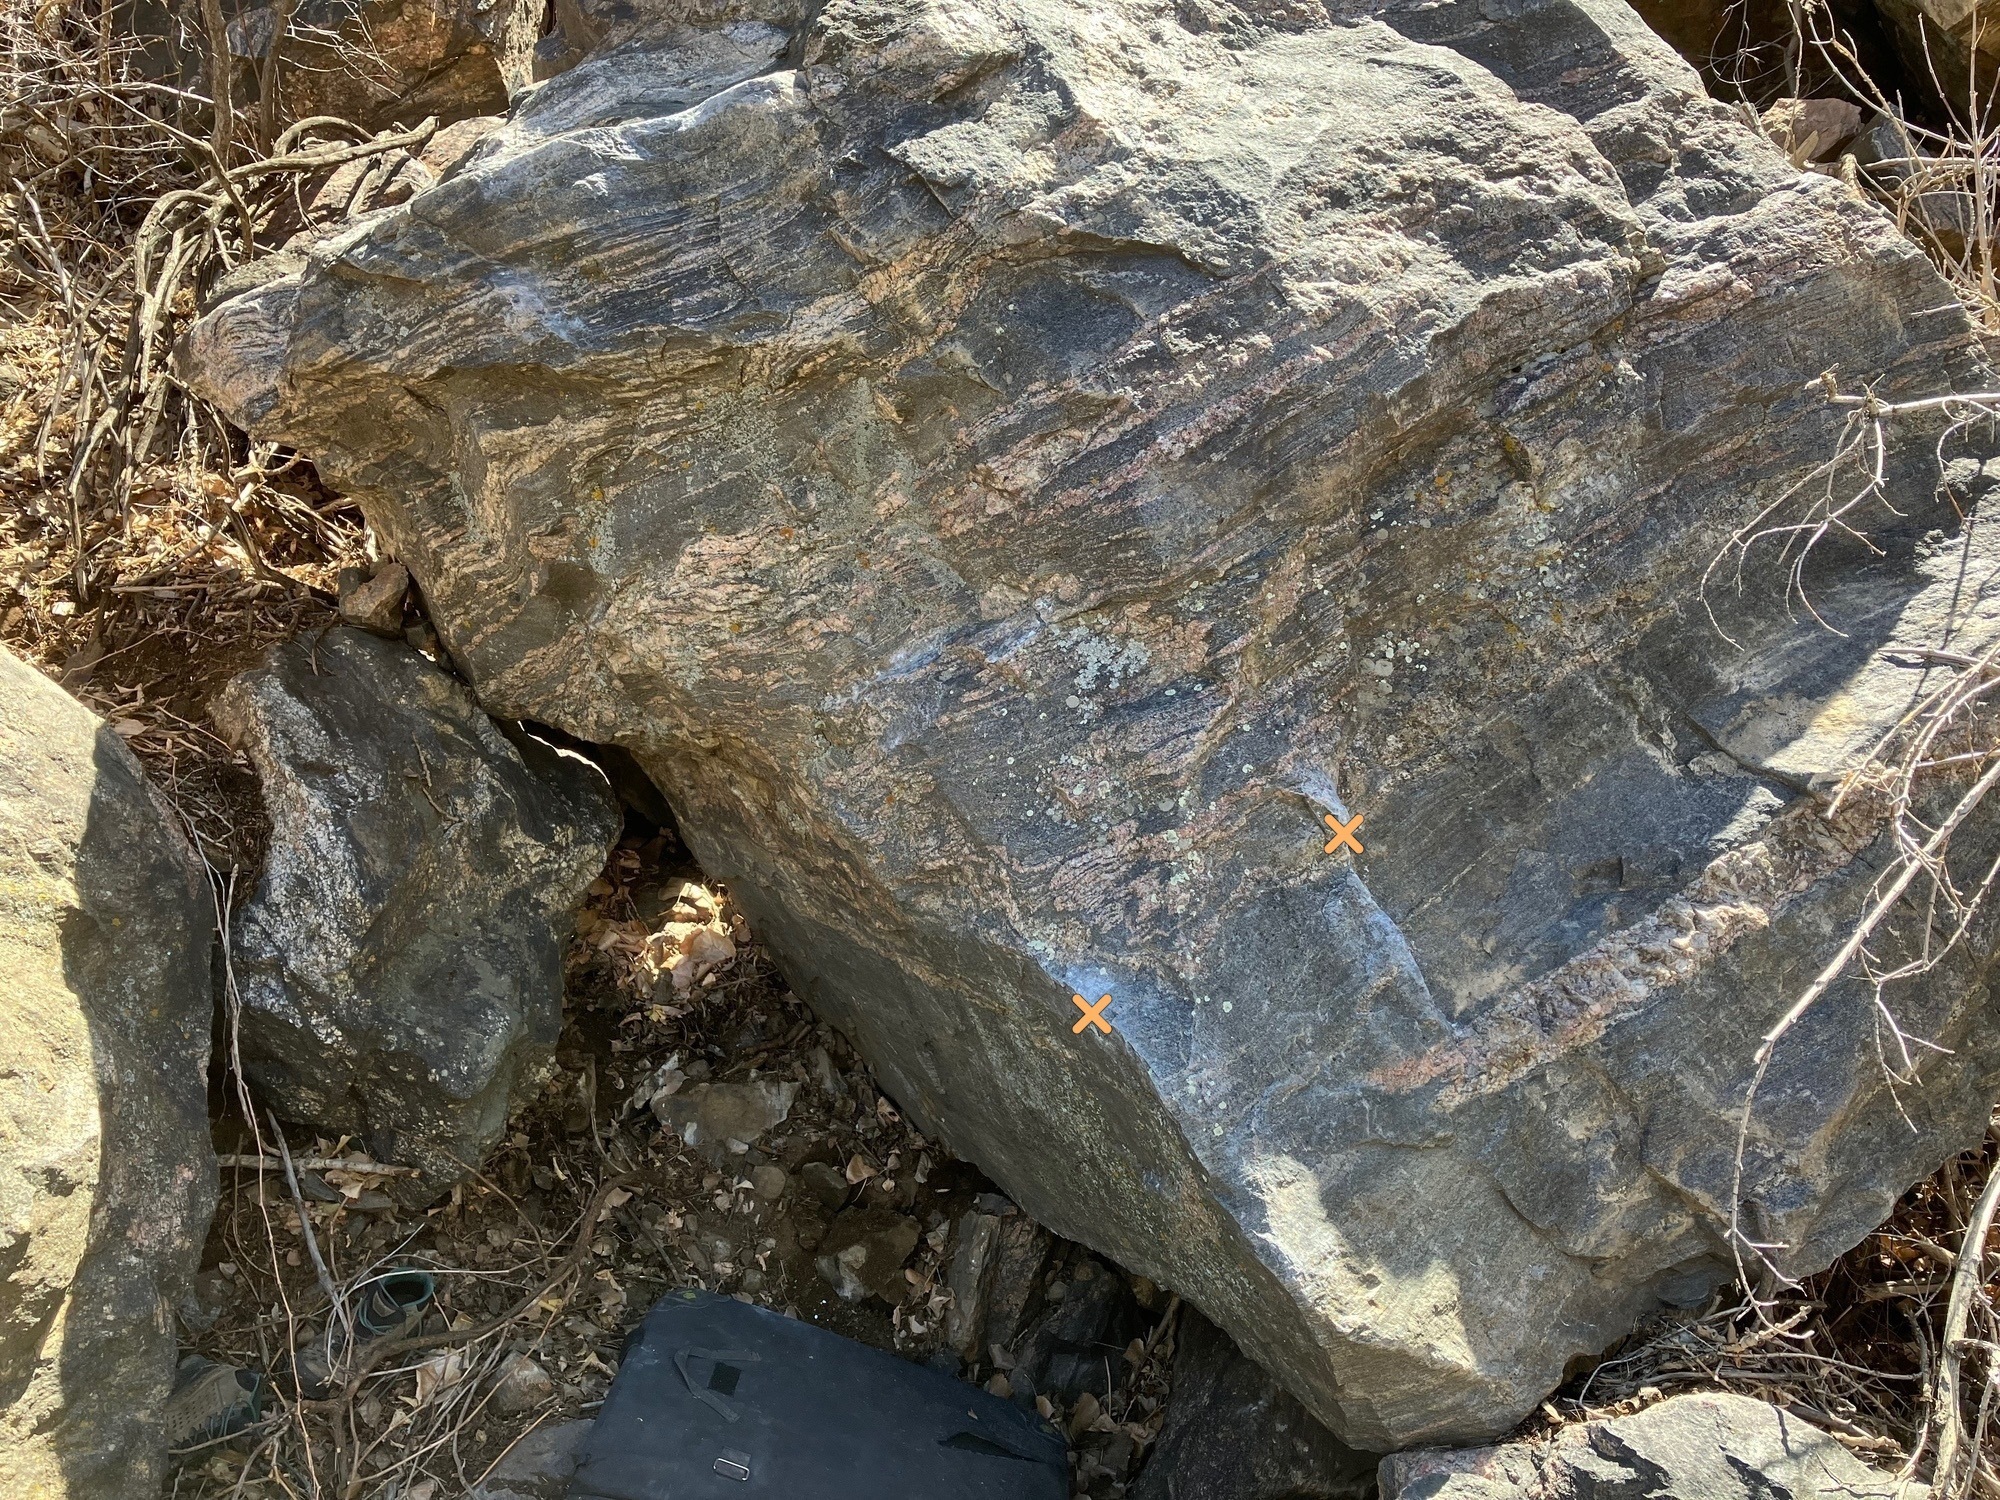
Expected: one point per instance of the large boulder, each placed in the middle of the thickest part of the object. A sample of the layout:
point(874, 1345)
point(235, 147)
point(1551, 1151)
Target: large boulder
point(1011, 475)
point(1704, 1446)
point(107, 1177)
point(400, 964)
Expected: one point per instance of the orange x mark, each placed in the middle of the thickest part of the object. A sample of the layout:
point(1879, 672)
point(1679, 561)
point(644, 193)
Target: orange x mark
point(1343, 833)
point(1093, 1015)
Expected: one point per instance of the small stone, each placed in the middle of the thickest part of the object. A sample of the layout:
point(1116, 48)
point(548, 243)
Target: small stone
point(998, 1385)
point(825, 1183)
point(768, 1182)
point(863, 1254)
point(375, 604)
point(522, 1385)
point(538, 1466)
point(712, 1115)
point(1811, 129)
point(825, 1074)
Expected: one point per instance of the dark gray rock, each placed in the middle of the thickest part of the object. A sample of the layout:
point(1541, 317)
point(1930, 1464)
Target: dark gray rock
point(400, 963)
point(1009, 470)
point(107, 1178)
point(1078, 1344)
point(1231, 1433)
point(1022, 1251)
point(539, 1467)
point(974, 1260)
point(828, 1188)
point(1694, 1447)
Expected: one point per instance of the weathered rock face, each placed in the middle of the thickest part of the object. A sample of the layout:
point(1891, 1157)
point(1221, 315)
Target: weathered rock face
point(107, 1178)
point(1009, 476)
point(1696, 1447)
point(400, 963)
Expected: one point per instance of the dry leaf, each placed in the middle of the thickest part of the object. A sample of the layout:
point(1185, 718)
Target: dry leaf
point(438, 1373)
point(858, 1169)
point(708, 946)
point(352, 1184)
point(1082, 1415)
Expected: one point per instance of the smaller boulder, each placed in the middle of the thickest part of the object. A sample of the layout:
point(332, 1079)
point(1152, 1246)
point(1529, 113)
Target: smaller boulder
point(1231, 1433)
point(1705, 1446)
point(373, 600)
point(400, 963)
point(863, 1254)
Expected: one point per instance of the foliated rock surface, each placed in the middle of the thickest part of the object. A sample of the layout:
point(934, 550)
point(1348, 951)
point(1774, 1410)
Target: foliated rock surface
point(107, 1177)
point(399, 965)
point(1009, 471)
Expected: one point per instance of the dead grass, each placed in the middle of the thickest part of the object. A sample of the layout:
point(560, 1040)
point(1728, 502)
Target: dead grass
point(147, 551)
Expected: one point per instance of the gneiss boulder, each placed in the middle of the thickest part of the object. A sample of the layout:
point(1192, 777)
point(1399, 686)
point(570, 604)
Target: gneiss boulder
point(107, 1177)
point(400, 962)
point(1012, 474)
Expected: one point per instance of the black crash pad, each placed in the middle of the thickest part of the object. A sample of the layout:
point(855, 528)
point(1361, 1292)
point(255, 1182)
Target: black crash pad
point(719, 1400)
